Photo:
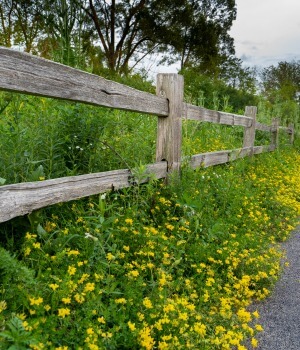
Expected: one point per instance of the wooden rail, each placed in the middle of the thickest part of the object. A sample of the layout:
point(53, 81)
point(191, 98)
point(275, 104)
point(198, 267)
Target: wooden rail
point(24, 73)
point(221, 157)
point(207, 115)
point(21, 72)
point(23, 198)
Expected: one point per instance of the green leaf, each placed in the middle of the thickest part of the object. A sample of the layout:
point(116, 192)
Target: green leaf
point(41, 232)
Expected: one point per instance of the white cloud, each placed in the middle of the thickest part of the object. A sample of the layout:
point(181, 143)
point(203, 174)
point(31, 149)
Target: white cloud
point(267, 31)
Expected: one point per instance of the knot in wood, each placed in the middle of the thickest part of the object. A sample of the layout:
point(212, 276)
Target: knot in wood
point(162, 93)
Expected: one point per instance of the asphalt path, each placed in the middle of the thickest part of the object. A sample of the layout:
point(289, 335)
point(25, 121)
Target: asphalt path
point(280, 313)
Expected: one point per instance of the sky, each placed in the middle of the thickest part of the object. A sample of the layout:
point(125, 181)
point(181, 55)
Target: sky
point(265, 33)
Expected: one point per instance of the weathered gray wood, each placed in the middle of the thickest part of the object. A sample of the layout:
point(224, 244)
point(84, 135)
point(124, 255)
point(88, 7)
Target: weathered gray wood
point(169, 130)
point(24, 73)
point(262, 127)
point(249, 132)
point(221, 157)
point(209, 159)
point(240, 153)
point(275, 132)
point(23, 198)
point(207, 115)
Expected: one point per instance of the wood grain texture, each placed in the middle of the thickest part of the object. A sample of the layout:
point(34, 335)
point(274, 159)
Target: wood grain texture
point(23, 198)
point(207, 115)
point(28, 74)
point(169, 130)
point(275, 132)
point(262, 127)
point(221, 157)
point(249, 132)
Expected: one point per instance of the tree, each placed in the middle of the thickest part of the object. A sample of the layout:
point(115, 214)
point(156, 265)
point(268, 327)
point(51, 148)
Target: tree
point(196, 32)
point(238, 77)
point(282, 82)
point(21, 23)
point(62, 23)
point(118, 27)
point(6, 20)
point(191, 31)
point(120, 33)
point(28, 23)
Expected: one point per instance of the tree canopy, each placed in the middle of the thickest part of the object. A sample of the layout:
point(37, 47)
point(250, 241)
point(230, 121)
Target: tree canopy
point(282, 82)
point(120, 33)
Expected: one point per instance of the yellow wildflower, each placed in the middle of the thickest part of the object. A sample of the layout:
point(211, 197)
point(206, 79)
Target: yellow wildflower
point(101, 320)
point(90, 331)
point(145, 338)
point(71, 270)
point(66, 300)
point(259, 327)
point(63, 312)
point(73, 252)
point(89, 287)
point(3, 305)
point(200, 328)
point(120, 301)
point(254, 342)
point(36, 301)
point(131, 326)
point(53, 286)
point(147, 303)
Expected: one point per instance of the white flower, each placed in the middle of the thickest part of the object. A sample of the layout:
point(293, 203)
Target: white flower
point(89, 236)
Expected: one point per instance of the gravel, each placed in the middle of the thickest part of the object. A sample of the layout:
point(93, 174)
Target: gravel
point(280, 313)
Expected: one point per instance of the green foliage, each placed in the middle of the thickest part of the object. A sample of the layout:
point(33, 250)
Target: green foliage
point(15, 337)
point(43, 138)
point(282, 82)
point(230, 99)
point(152, 265)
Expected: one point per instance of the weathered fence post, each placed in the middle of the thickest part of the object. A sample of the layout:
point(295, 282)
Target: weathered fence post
point(249, 132)
point(169, 133)
point(274, 133)
point(291, 133)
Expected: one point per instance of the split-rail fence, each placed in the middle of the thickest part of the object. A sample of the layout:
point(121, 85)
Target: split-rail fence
point(24, 73)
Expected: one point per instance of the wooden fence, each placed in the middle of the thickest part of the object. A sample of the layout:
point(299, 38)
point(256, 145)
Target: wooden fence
point(27, 74)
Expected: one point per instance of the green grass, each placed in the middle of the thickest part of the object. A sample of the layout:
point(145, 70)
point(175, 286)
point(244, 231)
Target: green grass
point(149, 267)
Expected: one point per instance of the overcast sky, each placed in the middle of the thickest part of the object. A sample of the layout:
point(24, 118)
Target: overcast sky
point(265, 33)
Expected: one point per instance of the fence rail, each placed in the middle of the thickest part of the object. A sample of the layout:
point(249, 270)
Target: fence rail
point(24, 73)
point(207, 115)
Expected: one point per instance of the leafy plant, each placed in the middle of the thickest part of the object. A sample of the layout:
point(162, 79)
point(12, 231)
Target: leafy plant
point(15, 337)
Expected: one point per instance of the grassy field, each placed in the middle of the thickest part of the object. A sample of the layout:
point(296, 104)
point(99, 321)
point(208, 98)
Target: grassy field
point(150, 267)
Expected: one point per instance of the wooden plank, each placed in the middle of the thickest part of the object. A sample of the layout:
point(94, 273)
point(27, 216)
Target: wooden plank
point(240, 153)
point(169, 130)
point(28, 74)
point(207, 115)
point(275, 132)
point(260, 149)
point(221, 157)
point(209, 159)
point(249, 132)
point(23, 198)
point(262, 127)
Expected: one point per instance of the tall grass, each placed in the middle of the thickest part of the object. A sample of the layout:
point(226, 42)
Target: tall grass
point(150, 267)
